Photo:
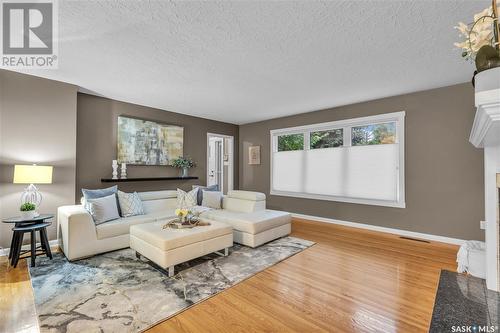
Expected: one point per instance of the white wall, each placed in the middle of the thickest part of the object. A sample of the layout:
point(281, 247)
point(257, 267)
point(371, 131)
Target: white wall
point(37, 125)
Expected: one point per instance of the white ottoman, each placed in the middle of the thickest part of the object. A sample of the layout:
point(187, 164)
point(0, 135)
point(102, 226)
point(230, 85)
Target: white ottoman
point(254, 228)
point(169, 247)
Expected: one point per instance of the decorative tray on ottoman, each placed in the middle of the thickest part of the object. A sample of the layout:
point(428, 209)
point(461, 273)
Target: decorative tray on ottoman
point(188, 224)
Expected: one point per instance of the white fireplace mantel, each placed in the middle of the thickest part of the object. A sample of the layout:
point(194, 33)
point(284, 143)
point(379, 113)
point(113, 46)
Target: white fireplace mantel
point(486, 134)
point(486, 127)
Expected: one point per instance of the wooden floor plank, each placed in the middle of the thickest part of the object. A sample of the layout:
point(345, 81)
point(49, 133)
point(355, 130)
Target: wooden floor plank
point(352, 280)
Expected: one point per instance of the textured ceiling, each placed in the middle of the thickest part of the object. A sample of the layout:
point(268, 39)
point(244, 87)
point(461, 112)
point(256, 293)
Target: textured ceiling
point(241, 62)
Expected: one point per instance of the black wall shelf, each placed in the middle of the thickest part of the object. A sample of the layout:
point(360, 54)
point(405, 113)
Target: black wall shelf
point(146, 179)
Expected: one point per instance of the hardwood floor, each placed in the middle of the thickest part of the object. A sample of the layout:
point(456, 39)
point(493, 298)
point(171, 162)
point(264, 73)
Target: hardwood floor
point(17, 307)
point(352, 280)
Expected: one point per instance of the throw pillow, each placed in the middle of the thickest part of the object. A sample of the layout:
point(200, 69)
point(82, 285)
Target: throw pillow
point(99, 193)
point(204, 188)
point(186, 199)
point(212, 199)
point(130, 204)
point(103, 209)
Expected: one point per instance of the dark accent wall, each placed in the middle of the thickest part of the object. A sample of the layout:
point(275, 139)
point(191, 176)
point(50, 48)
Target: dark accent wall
point(97, 146)
point(444, 172)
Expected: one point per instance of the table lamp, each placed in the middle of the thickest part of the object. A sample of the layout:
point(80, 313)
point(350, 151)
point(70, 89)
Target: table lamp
point(32, 174)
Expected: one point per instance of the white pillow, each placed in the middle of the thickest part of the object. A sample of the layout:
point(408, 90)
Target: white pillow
point(130, 204)
point(212, 199)
point(103, 209)
point(187, 199)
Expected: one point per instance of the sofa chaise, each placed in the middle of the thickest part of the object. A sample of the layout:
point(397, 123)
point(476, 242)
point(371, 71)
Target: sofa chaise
point(244, 211)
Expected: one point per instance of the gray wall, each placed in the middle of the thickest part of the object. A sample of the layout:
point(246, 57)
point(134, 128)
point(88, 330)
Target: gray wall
point(444, 172)
point(96, 144)
point(37, 125)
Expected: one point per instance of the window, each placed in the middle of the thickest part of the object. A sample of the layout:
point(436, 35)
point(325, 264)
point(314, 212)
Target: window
point(374, 134)
point(357, 160)
point(291, 142)
point(326, 139)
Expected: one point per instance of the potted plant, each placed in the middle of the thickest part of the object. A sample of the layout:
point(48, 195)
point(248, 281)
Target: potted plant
point(28, 211)
point(184, 163)
point(481, 39)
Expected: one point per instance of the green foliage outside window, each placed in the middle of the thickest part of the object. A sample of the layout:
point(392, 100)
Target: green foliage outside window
point(374, 134)
point(361, 135)
point(327, 139)
point(291, 142)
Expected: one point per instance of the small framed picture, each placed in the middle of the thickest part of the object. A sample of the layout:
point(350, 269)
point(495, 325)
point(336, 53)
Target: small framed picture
point(254, 155)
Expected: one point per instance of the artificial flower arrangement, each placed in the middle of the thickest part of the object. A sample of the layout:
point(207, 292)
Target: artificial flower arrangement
point(185, 219)
point(481, 39)
point(182, 214)
point(185, 163)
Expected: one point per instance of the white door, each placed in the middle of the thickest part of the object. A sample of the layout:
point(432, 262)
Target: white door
point(220, 171)
point(215, 162)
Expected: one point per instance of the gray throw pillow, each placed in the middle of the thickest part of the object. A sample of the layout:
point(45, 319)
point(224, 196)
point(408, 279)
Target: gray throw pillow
point(99, 193)
point(130, 204)
point(212, 199)
point(103, 209)
point(212, 188)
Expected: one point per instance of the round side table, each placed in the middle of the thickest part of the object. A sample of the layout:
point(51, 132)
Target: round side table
point(22, 226)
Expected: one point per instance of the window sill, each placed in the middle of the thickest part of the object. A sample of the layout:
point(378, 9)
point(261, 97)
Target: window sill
point(385, 203)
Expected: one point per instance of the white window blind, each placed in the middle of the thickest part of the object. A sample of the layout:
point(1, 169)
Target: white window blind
point(368, 168)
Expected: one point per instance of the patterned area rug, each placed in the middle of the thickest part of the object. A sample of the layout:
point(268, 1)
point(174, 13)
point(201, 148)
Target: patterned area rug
point(116, 292)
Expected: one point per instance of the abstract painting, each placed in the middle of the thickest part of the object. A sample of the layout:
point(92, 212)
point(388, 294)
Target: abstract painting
point(144, 142)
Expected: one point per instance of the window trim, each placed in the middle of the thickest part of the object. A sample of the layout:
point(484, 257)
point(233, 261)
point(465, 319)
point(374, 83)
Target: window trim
point(397, 117)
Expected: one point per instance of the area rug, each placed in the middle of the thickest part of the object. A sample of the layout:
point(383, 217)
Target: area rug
point(464, 304)
point(116, 292)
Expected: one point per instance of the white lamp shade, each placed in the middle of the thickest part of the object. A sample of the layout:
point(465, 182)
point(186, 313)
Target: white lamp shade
point(32, 174)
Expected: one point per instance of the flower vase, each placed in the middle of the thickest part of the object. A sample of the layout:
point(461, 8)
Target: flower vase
point(28, 215)
point(487, 57)
point(185, 172)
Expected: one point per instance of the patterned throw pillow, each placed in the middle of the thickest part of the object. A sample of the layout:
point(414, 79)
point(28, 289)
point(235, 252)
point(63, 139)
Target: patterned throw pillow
point(187, 199)
point(130, 204)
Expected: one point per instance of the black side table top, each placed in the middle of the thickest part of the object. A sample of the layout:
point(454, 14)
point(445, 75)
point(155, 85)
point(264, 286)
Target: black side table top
point(29, 227)
point(19, 219)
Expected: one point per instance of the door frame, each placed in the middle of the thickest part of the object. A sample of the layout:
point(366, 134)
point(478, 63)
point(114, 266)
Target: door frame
point(230, 176)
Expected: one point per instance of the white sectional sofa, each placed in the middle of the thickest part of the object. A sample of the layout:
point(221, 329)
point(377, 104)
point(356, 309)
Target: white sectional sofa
point(244, 211)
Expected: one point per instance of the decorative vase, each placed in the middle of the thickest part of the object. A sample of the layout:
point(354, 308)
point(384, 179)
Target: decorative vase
point(28, 215)
point(487, 57)
point(114, 165)
point(123, 173)
point(185, 172)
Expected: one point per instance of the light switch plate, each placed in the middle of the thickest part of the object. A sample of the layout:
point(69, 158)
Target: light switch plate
point(482, 225)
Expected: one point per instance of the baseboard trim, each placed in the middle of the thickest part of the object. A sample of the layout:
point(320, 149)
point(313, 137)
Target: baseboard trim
point(394, 231)
point(52, 243)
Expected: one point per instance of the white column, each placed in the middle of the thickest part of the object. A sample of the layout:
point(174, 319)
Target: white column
point(486, 134)
point(491, 168)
